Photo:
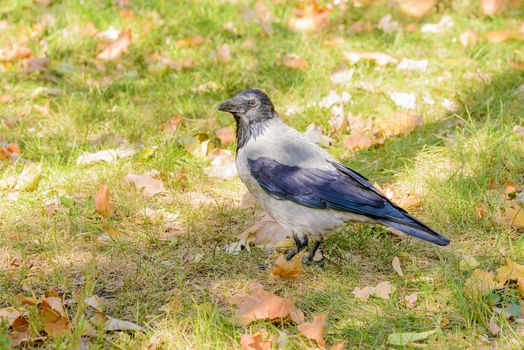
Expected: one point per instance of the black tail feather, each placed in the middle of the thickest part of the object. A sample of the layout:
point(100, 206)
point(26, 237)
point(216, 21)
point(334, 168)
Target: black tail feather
point(417, 230)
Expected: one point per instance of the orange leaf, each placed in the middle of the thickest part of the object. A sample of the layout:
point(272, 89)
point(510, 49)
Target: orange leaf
point(358, 140)
point(254, 342)
point(262, 305)
point(314, 330)
point(400, 123)
point(117, 48)
point(481, 210)
point(266, 233)
point(339, 346)
point(468, 38)
point(309, 18)
point(517, 65)
point(499, 36)
point(415, 8)
point(191, 41)
point(492, 7)
point(295, 62)
point(226, 135)
point(285, 268)
point(103, 205)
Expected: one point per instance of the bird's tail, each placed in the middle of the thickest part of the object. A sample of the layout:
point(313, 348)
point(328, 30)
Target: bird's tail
point(416, 228)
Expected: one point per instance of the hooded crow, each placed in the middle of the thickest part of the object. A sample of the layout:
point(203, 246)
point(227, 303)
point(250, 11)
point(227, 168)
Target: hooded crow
point(302, 186)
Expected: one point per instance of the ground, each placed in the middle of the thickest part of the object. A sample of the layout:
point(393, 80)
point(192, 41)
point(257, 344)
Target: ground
point(53, 238)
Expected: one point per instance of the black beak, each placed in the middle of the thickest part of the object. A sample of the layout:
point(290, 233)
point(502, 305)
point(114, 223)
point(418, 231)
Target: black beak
point(229, 106)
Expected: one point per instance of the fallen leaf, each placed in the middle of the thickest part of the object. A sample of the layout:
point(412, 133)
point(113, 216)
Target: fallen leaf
point(339, 346)
point(333, 98)
point(401, 123)
point(358, 140)
point(342, 77)
point(519, 130)
point(387, 24)
point(415, 8)
point(108, 155)
point(103, 205)
point(520, 285)
point(117, 48)
point(515, 216)
point(404, 99)
point(194, 146)
point(510, 188)
point(295, 62)
point(223, 164)
point(262, 305)
point(480, 283)
point(396, 266)
point(468, 38)
point(95, 302)
point(29, 178)
point(379, 58)
point(517, 65)
point(10, 152)
point(314, 330)
point(511, 271)
point(146, 184)
point(15, 319)
point(265, 17)
point(363, 293)
point(191, 41)
point(114, 324)
point(408, 64)
point(226, 135)
point(444, 23)
point(492, 7)
point(223, 53)
point(285, 268)
point(172, 124)
point(468, 263)
point(481, 210)
point(383, 290)
point(11, 52)
point(314, 134)
point(53, 315)
point(265, 233)
point(254, 342)
point(25, 300)
point(403, 339)
point(411, 299)
point(308, 18)
point(498, 36)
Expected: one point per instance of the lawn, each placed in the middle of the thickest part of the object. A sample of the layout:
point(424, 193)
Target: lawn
point(462, 159)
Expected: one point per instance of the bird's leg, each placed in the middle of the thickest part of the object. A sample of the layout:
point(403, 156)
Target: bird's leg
point(309, 258)
point(300, 243)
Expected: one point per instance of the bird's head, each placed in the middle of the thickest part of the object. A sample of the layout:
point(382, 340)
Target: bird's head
point(249, 106)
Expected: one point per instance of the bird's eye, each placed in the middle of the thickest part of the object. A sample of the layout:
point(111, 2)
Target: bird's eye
point(252, 103)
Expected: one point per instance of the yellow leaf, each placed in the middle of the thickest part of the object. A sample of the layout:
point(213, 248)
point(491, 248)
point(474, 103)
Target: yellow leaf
point(515, 216)
point(480, 283)
point(511, 271)
point(29, 177)
point(467, 263)
point(520, 284)
point(314, 330)
point(285, 268)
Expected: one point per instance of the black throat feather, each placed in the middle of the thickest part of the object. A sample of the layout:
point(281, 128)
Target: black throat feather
point(250, 130)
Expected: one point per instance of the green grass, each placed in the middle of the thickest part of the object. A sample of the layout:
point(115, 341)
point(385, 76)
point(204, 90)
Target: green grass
point(138, 273)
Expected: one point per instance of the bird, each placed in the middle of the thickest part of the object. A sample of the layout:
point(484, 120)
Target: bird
point(303, 187)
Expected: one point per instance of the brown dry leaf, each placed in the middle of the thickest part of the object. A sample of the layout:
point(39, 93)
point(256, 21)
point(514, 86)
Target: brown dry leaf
point(262, 305)
point(265, 233)
point(24, 300)
point(501, 35)
point(223, 53)
point(265, 17)
point(10, 152)
point(515, 216)
point(511, 271)
point(44, 110)
point(53, 315)
point(255, 342)
point(308, 18)
point(481, 210)
point(285, 268)
point(145, 183)
point(517, 65)
point(480, 283)
point(117, 48)
point(191, 41)
point(172, 124)
point(492, 7)
point(400, 123)
point(415, 8)
point(396, 266)
point(358, 140)
point(468, 38)
point(226, 135)
point(195, 146)
point(383, 290)
point(314, 330)
point(379, 58)
point(339, 346)
point(103, 205)
point(363, 293)
point(15, 319)
point(113, 324)
point(295, 62)
point(11, 52)
point(510, 188)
